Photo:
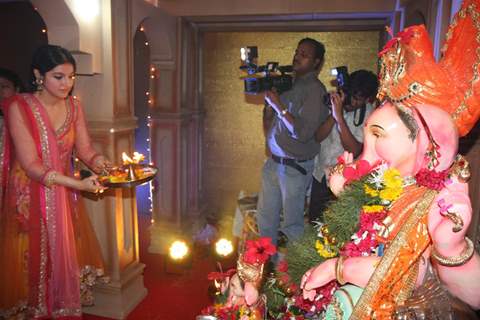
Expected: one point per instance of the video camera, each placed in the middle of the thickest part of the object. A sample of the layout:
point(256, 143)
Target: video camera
point(342, 80)
point(266, 77)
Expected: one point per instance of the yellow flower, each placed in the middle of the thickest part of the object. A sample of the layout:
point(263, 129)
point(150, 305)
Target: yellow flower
point(373, 208)
point(391, 194)
point(370, 191)
point(323, 250)
point(392, 178)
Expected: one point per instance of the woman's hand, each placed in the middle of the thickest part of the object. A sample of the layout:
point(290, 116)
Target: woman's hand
point(91, 184)
point(101, 165)
point(317, 277)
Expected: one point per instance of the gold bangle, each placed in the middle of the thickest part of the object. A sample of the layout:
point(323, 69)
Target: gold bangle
point(337, 169)
point(50, 178)
point(455, 261)
point(339, 270)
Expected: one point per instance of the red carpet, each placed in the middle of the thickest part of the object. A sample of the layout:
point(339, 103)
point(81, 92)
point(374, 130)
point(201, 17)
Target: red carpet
point(170, 296)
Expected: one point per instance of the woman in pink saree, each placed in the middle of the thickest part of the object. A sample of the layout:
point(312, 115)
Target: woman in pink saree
point(40, 220)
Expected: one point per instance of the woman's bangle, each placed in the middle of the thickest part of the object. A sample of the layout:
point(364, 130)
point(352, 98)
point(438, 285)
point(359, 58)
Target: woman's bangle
point(339, 270)
point(49, 178)
point(455, 261)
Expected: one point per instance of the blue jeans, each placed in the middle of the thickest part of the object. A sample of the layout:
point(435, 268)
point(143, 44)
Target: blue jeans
point(283, 191)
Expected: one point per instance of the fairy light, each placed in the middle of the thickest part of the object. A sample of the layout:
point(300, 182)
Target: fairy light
point(44, 30)
point(146, 43)
point(112, 130)
point(148, 139)
point(142, 28)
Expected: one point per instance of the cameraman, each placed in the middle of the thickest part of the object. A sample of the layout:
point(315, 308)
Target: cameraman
point(343, 131)
point(290, 122)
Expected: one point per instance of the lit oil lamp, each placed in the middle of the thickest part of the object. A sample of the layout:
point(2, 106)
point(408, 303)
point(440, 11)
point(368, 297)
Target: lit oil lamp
point(131, 163)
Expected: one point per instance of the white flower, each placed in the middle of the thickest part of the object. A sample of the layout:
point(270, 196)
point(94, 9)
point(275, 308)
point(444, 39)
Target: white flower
point(377, 175)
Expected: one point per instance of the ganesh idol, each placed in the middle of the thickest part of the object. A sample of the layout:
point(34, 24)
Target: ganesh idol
point(411, 258)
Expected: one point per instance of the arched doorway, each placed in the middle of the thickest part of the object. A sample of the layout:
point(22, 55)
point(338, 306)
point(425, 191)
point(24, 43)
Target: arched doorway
point(23, 31)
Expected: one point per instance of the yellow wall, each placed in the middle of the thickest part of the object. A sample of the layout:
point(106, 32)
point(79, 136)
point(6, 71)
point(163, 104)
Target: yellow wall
point(233, 141)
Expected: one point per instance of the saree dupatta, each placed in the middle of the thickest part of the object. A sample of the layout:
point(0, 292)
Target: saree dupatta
point(394, 278)
point(53, 270)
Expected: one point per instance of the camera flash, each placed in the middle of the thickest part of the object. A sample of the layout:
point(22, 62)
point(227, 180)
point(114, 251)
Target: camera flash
point(243, 54)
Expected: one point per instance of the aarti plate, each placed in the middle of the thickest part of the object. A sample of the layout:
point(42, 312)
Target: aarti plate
point(121, 179)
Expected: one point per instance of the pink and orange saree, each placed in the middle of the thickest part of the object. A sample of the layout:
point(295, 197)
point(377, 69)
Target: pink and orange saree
point(40, 225)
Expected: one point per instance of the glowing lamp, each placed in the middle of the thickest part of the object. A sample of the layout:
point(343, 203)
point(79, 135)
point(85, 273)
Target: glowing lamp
point(223, 247)
point(87, 10)
point(178, 250)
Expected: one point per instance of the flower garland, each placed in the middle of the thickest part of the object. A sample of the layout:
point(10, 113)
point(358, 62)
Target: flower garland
point(352, 223)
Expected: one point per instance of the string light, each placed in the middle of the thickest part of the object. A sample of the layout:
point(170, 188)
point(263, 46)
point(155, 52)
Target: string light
point(112, 130)
point(148, 140)
point(146, 43)
point(142, 28)
point(44, 30)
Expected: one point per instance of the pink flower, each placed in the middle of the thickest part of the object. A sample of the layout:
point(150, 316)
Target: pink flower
point(443, 206)
point(259, 251)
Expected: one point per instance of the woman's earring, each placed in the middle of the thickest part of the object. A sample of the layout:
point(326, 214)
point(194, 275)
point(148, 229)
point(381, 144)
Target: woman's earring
point(39, 84)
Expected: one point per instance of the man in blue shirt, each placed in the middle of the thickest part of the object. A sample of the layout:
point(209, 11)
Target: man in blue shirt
point(290, 123)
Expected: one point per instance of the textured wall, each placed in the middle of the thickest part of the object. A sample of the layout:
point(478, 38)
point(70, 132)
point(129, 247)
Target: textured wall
point(234, 143)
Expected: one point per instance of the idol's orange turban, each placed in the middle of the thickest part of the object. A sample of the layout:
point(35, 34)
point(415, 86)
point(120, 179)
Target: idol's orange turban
point(410, 76)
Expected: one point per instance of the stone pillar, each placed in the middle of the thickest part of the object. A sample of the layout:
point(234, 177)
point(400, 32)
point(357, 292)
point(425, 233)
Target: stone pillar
point(114, 217)
point(109, 110)
point(175, 132)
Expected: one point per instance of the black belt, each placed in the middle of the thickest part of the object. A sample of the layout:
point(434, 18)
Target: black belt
point(291, 163)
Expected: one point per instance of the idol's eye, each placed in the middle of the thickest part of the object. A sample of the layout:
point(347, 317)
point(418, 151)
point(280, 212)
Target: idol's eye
point(377, 132)
point(58, 77)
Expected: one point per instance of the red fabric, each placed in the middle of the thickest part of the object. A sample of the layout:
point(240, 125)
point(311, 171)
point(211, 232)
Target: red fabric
point(172, 296)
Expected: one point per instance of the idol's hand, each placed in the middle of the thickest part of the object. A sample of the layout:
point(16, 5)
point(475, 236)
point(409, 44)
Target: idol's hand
point(449, 218)
point(336, 180)
point(317, 277)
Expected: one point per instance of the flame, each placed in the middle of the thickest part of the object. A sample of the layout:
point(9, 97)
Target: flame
point(126, 159)
point(136, 159)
